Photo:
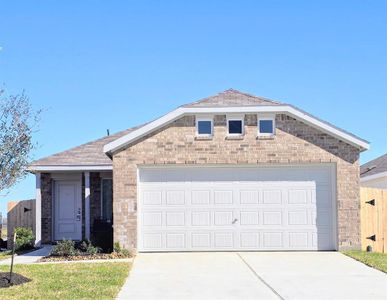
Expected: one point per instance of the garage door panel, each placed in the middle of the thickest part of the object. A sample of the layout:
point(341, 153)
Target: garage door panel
point(175, 219)
point(249, 197)
point(201, 218)
point(201, 240)
point(298, 240)
point(298, 217)
point(299, 196)
point(249, 240)
point(223, 218)
point(175, 198)
point(272, 218)
point(273, 240)
point(272, 197)
point(249, 218)
point(152, 241)
point(152, 198)
point(274, 209)
point(153, 219)
point(200, 197)
point(224, 240)
point(176, 241)
point(223, 197)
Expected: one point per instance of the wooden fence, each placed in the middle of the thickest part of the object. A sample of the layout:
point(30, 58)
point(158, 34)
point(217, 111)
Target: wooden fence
point(20, 214)
point(373, 209)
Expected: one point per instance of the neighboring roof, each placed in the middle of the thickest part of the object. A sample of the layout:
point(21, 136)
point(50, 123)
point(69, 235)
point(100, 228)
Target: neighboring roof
point(233, 101)
point(89, 154)
point(232, 97)
point(374, 167)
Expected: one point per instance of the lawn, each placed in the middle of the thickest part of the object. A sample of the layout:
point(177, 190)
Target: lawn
point(5, 254)
point(68, 281)
point(372, 259)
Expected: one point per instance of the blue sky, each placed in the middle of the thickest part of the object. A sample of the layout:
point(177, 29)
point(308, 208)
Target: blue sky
point(93, 65)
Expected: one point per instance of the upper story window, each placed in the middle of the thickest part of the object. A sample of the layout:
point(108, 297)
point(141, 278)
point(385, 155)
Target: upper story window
point(204, 127)
point(266, 125)
point(235, 125)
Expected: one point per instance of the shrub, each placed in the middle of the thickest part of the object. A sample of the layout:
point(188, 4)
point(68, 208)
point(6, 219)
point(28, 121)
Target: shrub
point(24, 238)
point(64, 248)
point(122, 252)
point(88, 248)
point(117, 247)
point(93, 250)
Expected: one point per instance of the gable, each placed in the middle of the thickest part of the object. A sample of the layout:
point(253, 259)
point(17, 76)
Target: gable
point(256, 109)
point(294, 142)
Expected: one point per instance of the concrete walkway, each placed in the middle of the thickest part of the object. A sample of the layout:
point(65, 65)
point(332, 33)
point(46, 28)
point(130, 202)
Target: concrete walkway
point(258, 275)
point(30, 257)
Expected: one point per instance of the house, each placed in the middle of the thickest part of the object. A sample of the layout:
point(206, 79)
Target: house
point(229, 172)
point(374, 173)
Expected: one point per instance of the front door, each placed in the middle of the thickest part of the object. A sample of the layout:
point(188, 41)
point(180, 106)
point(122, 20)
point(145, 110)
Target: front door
point(68, 210)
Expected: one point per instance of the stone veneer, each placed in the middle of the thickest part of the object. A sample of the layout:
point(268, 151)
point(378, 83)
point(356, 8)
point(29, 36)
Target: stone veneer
point(294, 143)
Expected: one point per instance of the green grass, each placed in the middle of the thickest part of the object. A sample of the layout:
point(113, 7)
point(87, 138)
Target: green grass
point(68, 281)
point(372, 259)
point(5, 254)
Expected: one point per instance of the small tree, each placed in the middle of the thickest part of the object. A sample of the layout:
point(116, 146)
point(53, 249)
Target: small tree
point(17, 124)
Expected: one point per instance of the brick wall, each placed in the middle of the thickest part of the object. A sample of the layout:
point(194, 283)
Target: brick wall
point(294, 143)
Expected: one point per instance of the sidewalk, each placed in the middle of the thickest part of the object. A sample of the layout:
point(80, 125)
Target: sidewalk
point(30, 257)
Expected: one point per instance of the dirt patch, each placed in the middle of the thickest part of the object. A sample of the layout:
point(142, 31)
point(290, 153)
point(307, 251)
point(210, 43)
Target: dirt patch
point(17, 279)
point(85, 257)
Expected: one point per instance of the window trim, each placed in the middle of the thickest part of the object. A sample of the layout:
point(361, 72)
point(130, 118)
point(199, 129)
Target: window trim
point(236, 118)
point(265, 118)
point(208, 119)
point(101, 196)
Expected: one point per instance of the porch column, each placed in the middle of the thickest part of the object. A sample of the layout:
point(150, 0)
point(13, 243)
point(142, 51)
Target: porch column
point(38, 211)
point(87, 205)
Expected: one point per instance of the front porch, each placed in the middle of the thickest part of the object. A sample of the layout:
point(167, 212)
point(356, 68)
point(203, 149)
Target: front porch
point(74, 205)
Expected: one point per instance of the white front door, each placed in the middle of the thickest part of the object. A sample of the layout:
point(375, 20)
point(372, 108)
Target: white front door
point(68, 210)
point(237, 208)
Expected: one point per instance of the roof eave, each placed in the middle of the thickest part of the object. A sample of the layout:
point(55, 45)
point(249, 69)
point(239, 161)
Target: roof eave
point(131, 137)
point(373, 176)
point(68, 168)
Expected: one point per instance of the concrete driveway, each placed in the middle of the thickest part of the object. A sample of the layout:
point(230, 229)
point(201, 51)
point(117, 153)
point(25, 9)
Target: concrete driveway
point(248, 275)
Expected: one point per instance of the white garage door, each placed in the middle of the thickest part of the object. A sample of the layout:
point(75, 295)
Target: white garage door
point(224, 208)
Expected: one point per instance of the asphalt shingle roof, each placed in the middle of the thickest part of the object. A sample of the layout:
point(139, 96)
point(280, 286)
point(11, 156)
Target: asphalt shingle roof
point(90, 153)
point(232, 97)
point(375, 166)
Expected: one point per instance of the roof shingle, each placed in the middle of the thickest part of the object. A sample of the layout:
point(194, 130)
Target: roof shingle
point(90, 153)
point(232, 97)
point(375, 166)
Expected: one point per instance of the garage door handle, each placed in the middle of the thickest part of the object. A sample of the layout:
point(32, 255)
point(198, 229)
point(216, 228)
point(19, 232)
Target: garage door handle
point(235, 220)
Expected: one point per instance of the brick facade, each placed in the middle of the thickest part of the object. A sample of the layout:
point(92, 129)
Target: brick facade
point(294, 143)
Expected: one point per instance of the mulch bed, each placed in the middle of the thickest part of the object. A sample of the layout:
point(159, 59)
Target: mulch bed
point(17, 279)
point(85, 257)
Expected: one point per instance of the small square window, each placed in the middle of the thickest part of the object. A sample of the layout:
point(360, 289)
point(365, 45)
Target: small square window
point(235, 126)
point(266, 126)
point(204, 127)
